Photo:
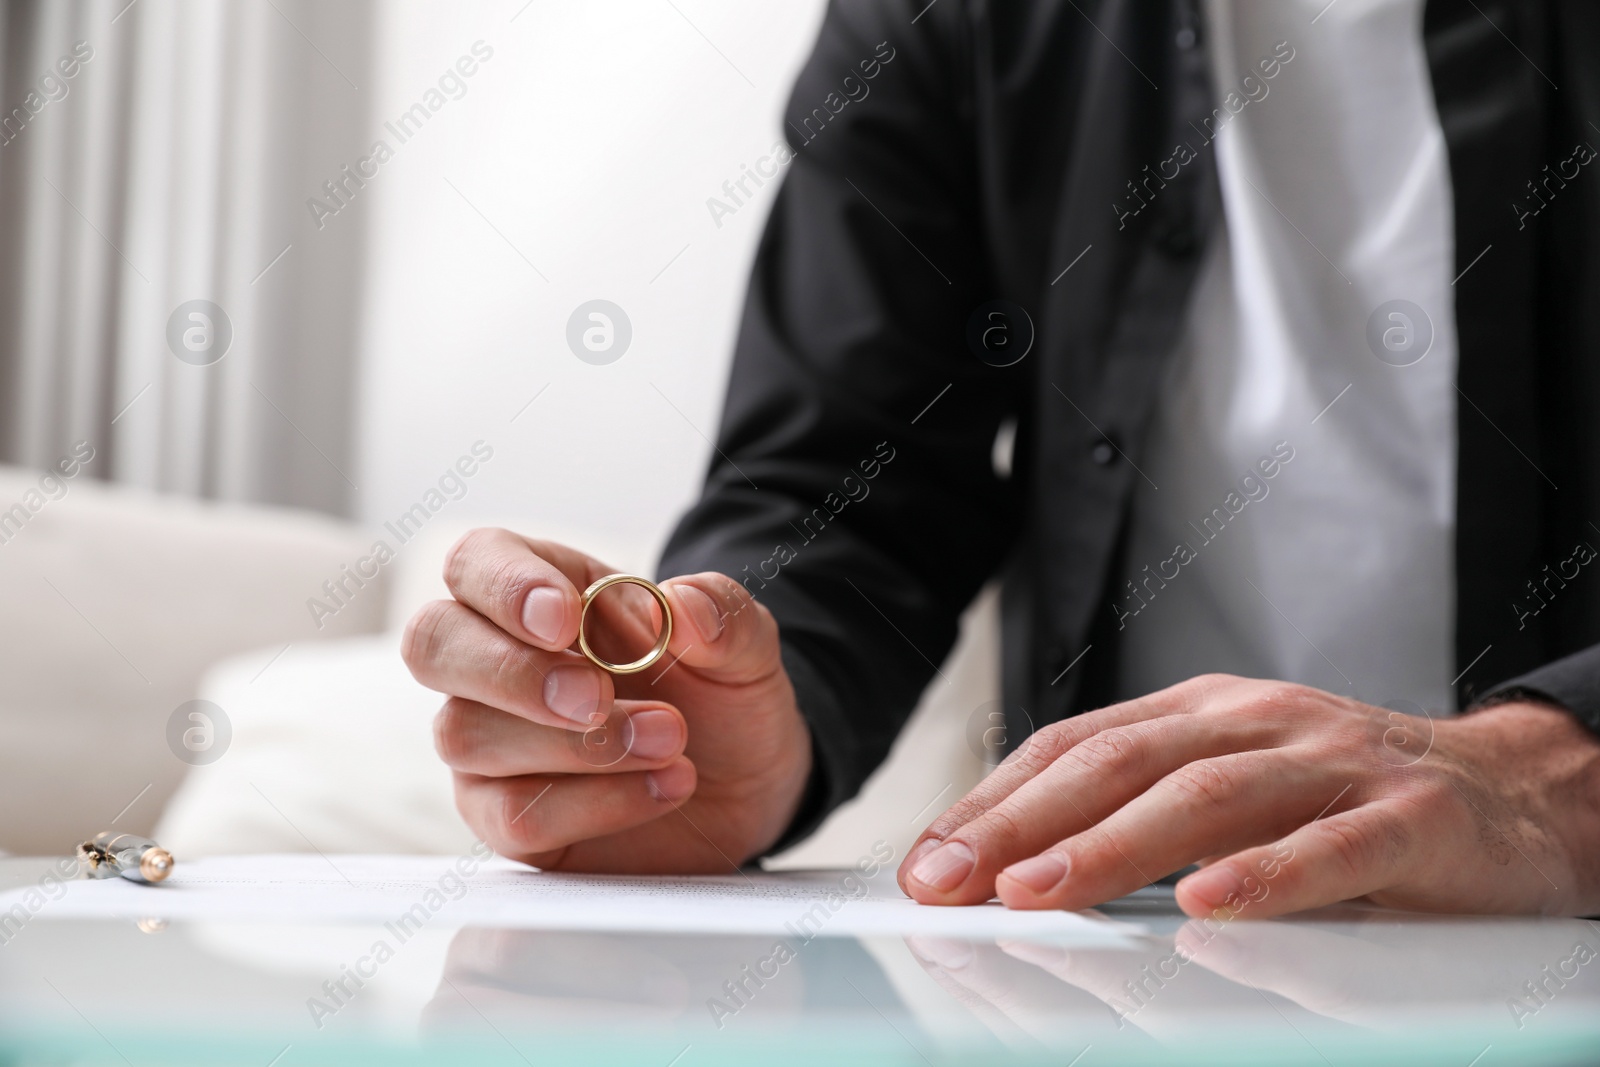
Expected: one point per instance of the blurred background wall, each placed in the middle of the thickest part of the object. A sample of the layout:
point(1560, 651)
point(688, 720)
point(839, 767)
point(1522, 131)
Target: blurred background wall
point(375, 342)
point(576, 167)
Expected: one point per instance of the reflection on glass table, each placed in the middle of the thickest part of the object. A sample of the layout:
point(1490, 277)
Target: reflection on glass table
point(1347, 985)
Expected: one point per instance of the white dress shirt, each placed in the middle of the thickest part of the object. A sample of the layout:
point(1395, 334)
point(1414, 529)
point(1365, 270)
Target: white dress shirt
point(1338, 570)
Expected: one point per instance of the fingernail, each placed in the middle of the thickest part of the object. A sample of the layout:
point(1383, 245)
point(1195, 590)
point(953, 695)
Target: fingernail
point(702, 610)
point(945, 867)
point(656, 734)
point(544, 613)
point(671, 784)
point(1041, 874)
point(1213, 884)
point(573, 693)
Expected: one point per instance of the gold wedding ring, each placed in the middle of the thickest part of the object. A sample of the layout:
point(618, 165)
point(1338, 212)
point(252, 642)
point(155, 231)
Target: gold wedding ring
point(648, 658)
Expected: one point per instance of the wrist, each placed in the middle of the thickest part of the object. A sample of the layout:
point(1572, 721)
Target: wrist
point(1552, 760)
point(791, 793)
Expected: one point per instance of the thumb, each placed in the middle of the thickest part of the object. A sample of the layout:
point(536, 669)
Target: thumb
point(720, 630)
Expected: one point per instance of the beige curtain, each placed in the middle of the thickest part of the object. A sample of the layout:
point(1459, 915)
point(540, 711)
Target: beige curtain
point(159, 153)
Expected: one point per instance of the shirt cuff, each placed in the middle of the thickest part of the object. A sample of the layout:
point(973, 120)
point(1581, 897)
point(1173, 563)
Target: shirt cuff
point(1571, 683)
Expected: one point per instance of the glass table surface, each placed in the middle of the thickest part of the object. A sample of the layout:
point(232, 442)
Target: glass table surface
point(1348, 985)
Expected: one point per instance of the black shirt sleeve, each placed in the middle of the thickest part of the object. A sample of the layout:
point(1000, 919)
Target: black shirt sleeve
point(1572, 683)
point(852, 489)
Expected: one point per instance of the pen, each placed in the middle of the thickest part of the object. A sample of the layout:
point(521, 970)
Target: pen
point(135, 858)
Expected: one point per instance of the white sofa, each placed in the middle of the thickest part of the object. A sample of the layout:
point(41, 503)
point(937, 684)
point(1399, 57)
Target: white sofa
point(331, 746)
point(116, 603)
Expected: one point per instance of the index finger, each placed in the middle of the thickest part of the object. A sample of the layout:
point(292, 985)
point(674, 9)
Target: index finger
point(530, 589)
point(1041, 750)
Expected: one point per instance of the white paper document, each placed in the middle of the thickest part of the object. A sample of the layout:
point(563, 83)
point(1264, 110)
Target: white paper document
point(410, 890)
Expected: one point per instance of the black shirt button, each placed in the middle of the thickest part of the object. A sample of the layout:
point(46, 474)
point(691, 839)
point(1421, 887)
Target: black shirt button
point(1186, 38)
point(1103, 453)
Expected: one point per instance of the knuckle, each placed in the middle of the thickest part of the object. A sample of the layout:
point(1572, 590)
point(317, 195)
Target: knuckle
point(1204, 782)
point(454, 737)
point(1274, 702)
point(458, 561)
point(969, 809)
point(521, 822)
point(505, 582)
point(1044, 746)
point(955, 817)
point(1282, 695)
point(478, 566)
point(1205, 684)
point(507, 669)
point(1096, 853)
point(1280, 698)
point(1117, 751)
point(424, 635)
point(996, 830)
point(1196, 694)
point(1354, 848)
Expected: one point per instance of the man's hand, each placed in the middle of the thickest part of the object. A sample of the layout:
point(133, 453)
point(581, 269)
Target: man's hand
point(695, 764)
point(1292, 798)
